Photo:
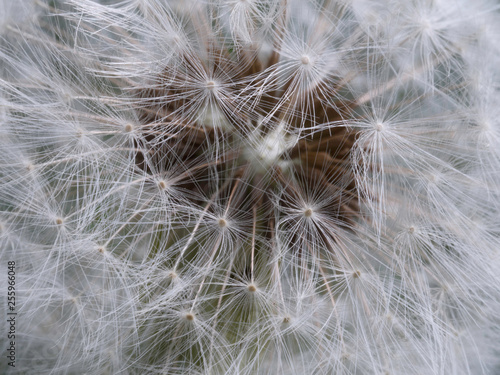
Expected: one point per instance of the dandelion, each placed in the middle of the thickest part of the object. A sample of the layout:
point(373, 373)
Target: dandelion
point(251, 187)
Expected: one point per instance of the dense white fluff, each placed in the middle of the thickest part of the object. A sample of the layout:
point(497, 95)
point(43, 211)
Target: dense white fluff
point(251, 187)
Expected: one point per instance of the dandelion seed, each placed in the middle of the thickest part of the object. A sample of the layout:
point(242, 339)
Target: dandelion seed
point(252, 288)
point(211, 85)
point(305, 60)
point(222, 223)
point(379, 126)
point(308, 212)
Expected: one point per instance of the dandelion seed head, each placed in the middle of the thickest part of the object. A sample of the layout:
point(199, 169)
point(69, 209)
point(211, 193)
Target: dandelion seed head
point(241, 187)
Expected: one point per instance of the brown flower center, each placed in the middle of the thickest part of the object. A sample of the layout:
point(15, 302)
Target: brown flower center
point(232, 117)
